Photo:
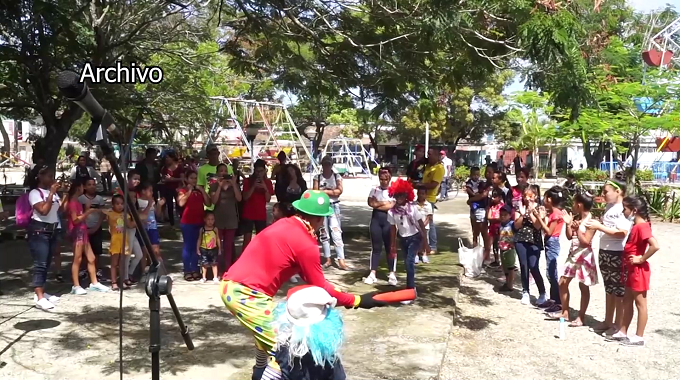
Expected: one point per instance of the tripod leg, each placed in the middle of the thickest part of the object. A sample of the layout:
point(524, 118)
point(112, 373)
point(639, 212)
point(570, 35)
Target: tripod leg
point(155, 338)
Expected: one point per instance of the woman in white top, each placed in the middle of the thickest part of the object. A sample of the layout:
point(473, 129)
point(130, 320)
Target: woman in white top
point(42, 232)
point(381, 202)
point(614, 228)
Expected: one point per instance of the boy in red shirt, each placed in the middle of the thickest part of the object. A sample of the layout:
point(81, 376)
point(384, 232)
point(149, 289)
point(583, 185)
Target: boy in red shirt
point(287, 247)
point(257, 192)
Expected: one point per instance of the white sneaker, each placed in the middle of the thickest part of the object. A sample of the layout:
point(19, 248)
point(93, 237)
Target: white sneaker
point(417, 259)
point(78, 290)
point(392, 280)
point(216, 280)
point(406, 302)
point(526, 298)
point(98, 287)
point(541, 299)
point(49, 297)
point(45, 305)
point(202, 281)
point(425, 259)
point(295, 279)
point(370, 280)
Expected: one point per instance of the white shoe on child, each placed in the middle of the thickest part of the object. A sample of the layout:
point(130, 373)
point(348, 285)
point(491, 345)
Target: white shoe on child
point(295, 279)
point(203, 280)
point(44, 304)
point(370, 280)
point(216, 280)
point(417, 259)
point(426, 260)
point(47, 296)
point(78, 290)
point(392, 279)
point(526, 298)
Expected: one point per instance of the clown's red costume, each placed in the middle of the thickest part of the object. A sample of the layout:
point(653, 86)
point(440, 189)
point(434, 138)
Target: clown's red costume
point(287, 247)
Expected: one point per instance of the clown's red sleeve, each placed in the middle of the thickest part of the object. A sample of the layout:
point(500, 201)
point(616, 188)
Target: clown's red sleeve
point(312, 273)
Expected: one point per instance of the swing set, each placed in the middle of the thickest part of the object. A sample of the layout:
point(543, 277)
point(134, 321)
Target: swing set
point(249, 130)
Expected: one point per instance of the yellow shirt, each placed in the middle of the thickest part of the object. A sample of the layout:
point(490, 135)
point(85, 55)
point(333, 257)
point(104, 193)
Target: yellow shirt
point(209, 239)
point(117, 230)
point(433, 173)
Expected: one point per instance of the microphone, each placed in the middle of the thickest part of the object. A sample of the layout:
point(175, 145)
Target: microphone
point(73, 89)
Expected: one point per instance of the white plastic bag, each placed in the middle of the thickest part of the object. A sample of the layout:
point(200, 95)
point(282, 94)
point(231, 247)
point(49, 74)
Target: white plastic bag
point(471, 259)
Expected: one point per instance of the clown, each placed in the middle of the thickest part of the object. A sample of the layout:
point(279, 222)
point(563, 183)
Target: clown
point(287, 247)
point(310, 334)
point(407, 223)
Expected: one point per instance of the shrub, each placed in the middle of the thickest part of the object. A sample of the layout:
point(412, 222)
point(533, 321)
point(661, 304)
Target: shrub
point(644, 175)
point(588, 175)
point(461, 173)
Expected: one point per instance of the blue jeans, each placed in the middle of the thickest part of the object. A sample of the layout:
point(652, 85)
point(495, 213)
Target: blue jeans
point(529, 255)
point(444, 188)
point(411, 245)
point(190, 234)
point(42, 242)
point(432, 233)
point(334, 229)
point(552, 252)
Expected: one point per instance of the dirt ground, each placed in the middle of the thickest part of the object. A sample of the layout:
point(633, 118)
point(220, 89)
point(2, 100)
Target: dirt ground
point(507, 340)
point(80, 340)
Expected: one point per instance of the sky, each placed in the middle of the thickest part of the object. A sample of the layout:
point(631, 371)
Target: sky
point(639, 5)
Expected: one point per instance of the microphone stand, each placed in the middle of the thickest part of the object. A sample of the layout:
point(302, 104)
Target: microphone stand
point(157, 284)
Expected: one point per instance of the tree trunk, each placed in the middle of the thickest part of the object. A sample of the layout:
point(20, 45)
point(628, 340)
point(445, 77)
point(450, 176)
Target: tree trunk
point(5, 139)
point(47, 148)
point(534, 163)
point(593, 158)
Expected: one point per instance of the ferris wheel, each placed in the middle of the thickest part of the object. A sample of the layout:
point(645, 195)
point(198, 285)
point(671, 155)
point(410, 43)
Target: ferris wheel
point(663, 46)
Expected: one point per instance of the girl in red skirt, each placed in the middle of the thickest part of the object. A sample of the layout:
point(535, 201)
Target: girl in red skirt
point(641, 245)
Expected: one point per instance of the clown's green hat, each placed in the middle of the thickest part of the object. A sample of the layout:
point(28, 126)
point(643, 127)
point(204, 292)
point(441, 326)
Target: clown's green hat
point(314, 202)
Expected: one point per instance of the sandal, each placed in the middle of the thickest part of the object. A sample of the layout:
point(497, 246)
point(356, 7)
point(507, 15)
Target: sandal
point(556, 316)
point(575, 324)
point(114, 287)
point(197, 276)
point(128, 283)
point(188, 277)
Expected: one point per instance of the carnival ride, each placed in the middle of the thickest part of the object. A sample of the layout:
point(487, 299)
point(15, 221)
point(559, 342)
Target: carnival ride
point(349, 156)
point(660, 53)
point(249, 130)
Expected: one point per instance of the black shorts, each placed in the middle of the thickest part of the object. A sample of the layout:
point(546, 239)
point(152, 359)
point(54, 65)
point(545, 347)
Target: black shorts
point(96, 239)
point(247, 226)
point(208, 257)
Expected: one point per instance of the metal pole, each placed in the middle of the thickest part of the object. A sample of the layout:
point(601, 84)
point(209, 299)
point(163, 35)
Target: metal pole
point(427, 137)
point(611, 159)
point(311, 161)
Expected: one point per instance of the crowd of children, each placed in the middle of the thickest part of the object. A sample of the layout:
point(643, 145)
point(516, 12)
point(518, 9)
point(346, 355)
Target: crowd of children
point(514, 222)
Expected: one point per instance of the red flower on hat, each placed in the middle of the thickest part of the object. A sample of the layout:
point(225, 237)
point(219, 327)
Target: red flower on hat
point(306, 195)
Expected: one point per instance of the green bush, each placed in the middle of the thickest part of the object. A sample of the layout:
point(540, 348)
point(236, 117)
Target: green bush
point(462, 173)
point(588, 175)
point(644, 175)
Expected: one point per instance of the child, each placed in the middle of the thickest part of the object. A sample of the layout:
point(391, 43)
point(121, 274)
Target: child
point(581, 260)
point(552, 228)
point(149, 211)
point(208, 247)
point(117, 225)
point(477, 194)
point(506, 246)
point(529, 243)
point(77, 230)
point(407, 222)
point(614, 227)
point(425, 209)
point(93, 222)
point(494, 217)
point(641, 245)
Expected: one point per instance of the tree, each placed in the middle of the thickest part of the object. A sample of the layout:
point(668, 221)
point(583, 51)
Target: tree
point(531, 113)
point(39, 38)
point(455, 114)
point(633, 110)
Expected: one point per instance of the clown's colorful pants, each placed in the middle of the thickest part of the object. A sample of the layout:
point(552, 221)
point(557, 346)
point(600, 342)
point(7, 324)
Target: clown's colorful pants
point(254, 310)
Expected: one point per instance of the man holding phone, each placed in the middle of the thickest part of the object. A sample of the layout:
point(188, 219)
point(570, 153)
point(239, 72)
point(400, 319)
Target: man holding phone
point(257, 192)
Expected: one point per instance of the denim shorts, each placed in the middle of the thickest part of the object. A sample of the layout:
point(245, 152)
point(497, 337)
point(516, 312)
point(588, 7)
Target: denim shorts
point(478, 215)
point(154, 237)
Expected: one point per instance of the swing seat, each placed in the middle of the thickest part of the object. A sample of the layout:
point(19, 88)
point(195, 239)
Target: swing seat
point(655, 57)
